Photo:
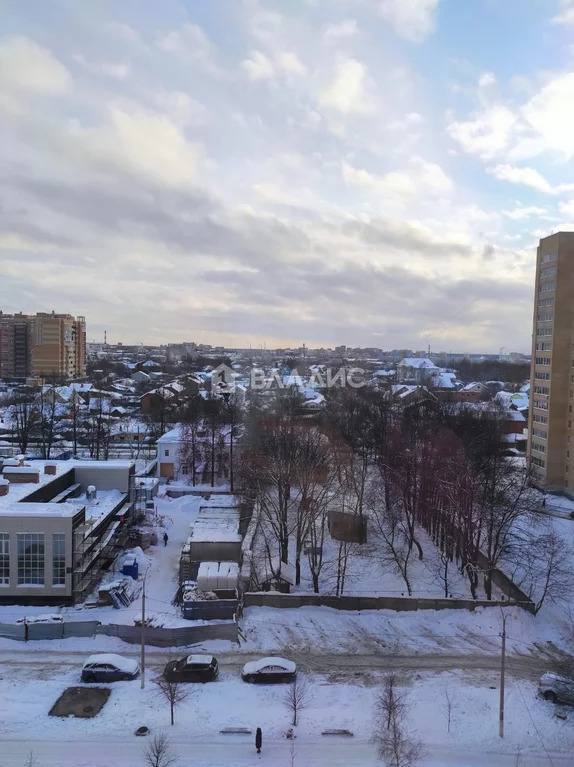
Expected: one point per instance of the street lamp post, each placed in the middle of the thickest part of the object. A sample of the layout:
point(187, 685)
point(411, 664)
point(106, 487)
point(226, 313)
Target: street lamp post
point(502, 669)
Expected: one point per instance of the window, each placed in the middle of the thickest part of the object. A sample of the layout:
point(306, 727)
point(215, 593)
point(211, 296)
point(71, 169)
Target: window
point(545, 302)
point(547, 287)
point(166, 453)
point(542, 376)
point(544, 331)
point(538, 447)
point(537, 418)
point(543, 360)
point(567, 454)
point(545, 316)
point(30, 559)
point(549, 271)
point(538, 461)
point(541, 390)
point(58, 559)
point(4, 559)
point(539, 433)
point(543, 346)
point(547, 257)
point(541, 404)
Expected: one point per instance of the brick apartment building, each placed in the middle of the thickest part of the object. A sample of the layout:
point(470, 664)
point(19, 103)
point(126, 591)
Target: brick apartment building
point(42, 345)
point(551, 436)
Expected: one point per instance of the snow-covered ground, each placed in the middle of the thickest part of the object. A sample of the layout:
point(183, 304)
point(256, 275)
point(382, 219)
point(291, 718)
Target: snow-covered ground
point(531, 725)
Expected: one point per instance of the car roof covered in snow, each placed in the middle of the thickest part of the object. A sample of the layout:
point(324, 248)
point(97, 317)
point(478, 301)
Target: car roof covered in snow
point(257, 665)
point(191, 660)
point(124, 664)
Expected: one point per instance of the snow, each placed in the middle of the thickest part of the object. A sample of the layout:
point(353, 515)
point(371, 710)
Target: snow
point(129, 665)
point(40, 510)
point(254, 667)
point(418, 362)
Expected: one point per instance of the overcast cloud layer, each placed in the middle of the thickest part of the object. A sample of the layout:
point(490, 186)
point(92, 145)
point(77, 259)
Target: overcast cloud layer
point(368, 172)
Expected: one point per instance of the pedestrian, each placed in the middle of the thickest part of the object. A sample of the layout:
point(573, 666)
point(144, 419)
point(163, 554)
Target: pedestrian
point(165, 539)
point(258, 740)
point(544, 502)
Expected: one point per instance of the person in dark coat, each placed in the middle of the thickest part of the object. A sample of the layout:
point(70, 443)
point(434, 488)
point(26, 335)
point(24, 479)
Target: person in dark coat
point(258, 740)
point(165, 539)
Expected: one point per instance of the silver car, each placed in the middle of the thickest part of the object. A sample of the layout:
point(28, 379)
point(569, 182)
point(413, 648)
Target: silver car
point(558, 689)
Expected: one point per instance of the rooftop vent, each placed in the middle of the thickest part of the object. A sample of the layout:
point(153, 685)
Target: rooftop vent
point(91, 493)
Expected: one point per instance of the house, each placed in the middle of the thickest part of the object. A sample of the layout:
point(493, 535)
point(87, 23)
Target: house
point(175, 455)
point(140, 377)
point(156, 399)
point(416, 370)
point(406, 394)
point(276, 575)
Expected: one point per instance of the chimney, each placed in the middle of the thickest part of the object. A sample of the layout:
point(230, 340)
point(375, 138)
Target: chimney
point(4, 487)
point(50, 468)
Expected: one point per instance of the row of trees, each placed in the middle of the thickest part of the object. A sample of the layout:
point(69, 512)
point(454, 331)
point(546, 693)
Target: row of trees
point(432, 467)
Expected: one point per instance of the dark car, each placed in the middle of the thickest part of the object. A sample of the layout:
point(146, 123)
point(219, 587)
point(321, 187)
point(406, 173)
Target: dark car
point(557, 689)
point(109, 667)
point(193, 668)
point(269, 670)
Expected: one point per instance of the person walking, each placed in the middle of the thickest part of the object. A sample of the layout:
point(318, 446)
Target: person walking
point(258, 740)
point(165, 539)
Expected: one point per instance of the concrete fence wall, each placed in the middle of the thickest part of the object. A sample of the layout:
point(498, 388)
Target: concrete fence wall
point(155, 637)
point(400, 604)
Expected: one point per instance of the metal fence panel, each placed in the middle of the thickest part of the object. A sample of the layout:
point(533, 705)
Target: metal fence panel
point(13, 631)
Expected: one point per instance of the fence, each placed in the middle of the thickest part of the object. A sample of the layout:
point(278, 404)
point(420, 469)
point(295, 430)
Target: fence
point(155, 637)
point(400, 604)
point(172, 637)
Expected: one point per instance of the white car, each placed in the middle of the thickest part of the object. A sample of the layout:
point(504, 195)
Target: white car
point(269, 670)
point(109, 667)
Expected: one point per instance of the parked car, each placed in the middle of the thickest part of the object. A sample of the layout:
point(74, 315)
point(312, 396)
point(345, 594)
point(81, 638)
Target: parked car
point(269, 670)
point(558, 689)
point(193, 668)
point(109, 667)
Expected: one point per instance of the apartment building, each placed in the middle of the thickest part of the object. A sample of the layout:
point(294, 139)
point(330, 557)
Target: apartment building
point(42, 345)
point(551, 436)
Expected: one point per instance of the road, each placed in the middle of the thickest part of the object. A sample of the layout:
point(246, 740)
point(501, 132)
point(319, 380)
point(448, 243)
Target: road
point(238, 751)
point(50, 663)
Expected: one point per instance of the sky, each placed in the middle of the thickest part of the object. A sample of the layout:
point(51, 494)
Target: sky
point(236, 172)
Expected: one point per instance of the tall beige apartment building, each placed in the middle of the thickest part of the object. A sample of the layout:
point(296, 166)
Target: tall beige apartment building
point(42, 345)
point(550, 423)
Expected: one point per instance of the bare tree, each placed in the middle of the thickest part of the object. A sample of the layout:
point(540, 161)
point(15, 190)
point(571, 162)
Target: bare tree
point(172, 692)
point(395, 748)
point(296, 697)
point(158, 753)
point(31, 759)
point(448, 707)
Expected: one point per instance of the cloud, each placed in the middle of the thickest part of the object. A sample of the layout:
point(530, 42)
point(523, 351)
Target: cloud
point(350, 90)
point(412, 20)
point(190, 44)
point(342, 30)
point(27, 67)
point(118, 71)
point(290, 63)
point(143, 145)
point(520, 213)
point(423, 180)
point(487, 133)
point(540, 125)
point(258, 66)
point(566, 16)
point(528, 177)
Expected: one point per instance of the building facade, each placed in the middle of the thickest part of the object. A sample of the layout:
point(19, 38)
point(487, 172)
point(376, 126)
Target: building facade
point(42, 345)
point(551, 438)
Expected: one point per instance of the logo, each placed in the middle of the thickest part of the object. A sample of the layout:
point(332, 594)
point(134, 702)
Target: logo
point(222, 380)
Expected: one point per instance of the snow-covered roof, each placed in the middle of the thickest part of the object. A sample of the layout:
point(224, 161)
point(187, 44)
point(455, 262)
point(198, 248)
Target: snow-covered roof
point(41, 510)
point(474, 386)
point(418, 362)
point(197, 659)
point(444, 380)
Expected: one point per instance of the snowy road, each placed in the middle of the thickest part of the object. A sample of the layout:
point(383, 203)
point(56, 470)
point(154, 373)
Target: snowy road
point(239, 752)
point(49, 664)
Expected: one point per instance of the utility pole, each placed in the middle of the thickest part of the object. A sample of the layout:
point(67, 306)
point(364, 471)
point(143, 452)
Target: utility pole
point(502, 666)
point(142, 636)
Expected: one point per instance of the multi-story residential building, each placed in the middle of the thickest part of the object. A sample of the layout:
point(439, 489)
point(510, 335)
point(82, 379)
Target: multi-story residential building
point(42, 345)
point(551, 436)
